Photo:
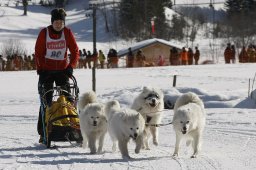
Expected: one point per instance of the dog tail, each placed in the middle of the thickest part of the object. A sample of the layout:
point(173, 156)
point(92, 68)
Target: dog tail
point(186, 98)
point(87, 98)
point(110, 107)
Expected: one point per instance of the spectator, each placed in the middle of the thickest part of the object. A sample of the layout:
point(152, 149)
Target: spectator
point(101, 58)
point(160, 61)
point(184, 56)
point(243, 56)
point(112, 58)
point(89, 59)
point(190, 56)
point(174, 56)
point(140, 59)
point(196, 55)
point(95, 58)
point(32, 60)
point(228, 54)
point(233, 54)
point(1, 63)
point(17, 63)
point(84, 58)
point(81, 59)
point(251, 53)
point(130, 58)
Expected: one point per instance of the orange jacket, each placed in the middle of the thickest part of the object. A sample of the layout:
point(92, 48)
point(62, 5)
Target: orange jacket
point(184, 56)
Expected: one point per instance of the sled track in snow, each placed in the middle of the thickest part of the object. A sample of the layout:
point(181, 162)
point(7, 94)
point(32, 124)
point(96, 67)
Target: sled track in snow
point(201, 163)
point(228, 131)
point(2, 12)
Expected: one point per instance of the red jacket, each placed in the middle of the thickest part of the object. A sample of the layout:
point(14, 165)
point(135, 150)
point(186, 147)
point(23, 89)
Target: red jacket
point(43, 63)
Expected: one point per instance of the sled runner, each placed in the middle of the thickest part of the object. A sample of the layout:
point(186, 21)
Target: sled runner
point(60, 120)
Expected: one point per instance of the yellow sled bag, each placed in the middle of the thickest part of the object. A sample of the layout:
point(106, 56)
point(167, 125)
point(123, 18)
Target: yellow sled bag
point(61, 113)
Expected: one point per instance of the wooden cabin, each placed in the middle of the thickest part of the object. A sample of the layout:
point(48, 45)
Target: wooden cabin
point(152, 49)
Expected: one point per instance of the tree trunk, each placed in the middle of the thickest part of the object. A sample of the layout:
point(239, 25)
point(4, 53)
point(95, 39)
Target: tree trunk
point(25, 6)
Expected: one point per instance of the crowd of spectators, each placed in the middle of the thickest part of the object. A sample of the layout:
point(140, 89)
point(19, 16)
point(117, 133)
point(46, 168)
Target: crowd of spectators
point(246, 55)
point(87, 59)
point(98, 59)
point(17, 62)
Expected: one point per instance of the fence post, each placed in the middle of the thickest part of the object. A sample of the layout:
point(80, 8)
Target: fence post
point(174, 81)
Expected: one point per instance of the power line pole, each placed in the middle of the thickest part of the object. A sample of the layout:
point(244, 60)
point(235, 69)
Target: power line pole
point(94, 48)
point(94, 27)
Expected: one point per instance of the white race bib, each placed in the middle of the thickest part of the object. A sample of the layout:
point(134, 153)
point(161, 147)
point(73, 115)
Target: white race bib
point(55, 49)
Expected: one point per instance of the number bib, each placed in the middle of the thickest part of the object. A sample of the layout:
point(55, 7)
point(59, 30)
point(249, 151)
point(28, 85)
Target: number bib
point(55, 49)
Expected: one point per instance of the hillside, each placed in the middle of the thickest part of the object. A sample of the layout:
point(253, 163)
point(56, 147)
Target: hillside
point(14, 25)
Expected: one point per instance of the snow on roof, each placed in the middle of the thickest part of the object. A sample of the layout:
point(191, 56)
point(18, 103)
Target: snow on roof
point(145, 43)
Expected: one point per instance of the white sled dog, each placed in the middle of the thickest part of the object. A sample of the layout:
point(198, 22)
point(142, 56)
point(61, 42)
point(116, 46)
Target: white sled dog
point(150, 103)
point(189, 121)
point(124, 124)
point(93, 122)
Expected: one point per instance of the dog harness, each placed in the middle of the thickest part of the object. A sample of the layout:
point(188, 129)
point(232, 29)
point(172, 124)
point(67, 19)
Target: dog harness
point(148, 119)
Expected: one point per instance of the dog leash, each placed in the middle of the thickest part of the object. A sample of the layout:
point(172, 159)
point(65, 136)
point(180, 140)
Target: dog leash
point(155, 111)
point(158, 125)
point(72, 144)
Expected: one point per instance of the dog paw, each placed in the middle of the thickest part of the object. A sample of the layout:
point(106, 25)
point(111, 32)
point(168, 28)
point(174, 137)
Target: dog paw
point(137, 150)
point(126, 157)
point(84, 145)
point(175, 155)
point(193, 156)
point(113, 148)
point(155, 143)
point(93, 152)
point(99, 151)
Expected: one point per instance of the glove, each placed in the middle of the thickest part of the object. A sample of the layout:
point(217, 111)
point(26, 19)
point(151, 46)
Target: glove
point(69, 71)
point(41, 72)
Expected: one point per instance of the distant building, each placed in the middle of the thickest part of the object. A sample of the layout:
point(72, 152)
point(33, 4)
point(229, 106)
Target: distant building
point(152, 49)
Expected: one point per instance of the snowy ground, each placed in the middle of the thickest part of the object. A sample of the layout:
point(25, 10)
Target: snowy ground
point(229, 137)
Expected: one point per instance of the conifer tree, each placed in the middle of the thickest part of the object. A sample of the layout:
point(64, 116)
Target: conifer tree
point(136, 15)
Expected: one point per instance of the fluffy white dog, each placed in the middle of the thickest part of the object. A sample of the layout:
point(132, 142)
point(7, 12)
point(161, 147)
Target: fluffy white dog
point(93, 122)
point(124, 124)
point(150, 103)
point(189, 121)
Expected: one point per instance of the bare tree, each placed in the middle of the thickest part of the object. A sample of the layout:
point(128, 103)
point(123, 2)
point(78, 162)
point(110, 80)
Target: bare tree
point(13, 47)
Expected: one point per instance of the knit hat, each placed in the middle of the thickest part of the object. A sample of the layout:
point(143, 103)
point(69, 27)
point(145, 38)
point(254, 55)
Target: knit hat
point(58, 14)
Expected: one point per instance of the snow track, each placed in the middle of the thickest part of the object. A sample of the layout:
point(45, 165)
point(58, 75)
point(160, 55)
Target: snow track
point(201, 163)
point(2, 12)
point(229, 139)
point(23, 152)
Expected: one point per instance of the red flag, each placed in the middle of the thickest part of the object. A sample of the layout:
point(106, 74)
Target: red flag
point(153, 26)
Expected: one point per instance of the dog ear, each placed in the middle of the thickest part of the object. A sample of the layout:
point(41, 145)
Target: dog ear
point(138, 116)
point(145, 89)
point(122, 116)
point(104, 118)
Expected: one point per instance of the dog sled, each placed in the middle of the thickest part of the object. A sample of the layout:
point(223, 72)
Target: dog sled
point(60, 121)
